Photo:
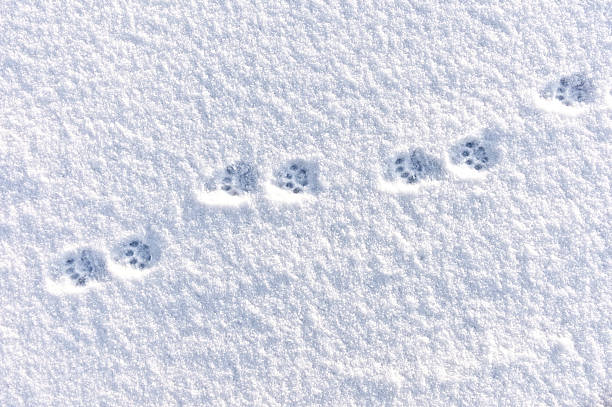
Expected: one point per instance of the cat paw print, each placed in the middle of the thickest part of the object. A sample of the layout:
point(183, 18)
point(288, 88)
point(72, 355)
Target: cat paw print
point(572, 89)
point(415, 166)
point(239, 178)
point(134, 253)
point(297, 176)
point(84, 266)
point(295, 181)
point(232, 187)
point(474, 154)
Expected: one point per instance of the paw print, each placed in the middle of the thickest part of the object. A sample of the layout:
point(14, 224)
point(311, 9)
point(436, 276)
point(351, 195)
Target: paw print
point(134, 253)
point(575, 88)
point(84, 266)
point(475, 154)
point(239, 178)
point(298, 177)
point(415, 166)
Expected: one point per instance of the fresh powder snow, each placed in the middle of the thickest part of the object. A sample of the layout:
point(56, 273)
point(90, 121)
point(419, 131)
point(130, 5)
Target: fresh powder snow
point(303, 203)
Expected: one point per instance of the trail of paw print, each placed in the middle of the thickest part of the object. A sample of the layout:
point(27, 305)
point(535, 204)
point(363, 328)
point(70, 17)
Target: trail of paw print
point(136, 254)
point(416, 167)
point(475, 155)
point(295, 178)
point(574, 88)
point(239, 178)
point(84, 266)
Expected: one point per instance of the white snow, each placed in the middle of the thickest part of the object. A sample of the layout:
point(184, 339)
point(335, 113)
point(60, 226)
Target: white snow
point(276, 194)
point(119, 121)
point(219, 198)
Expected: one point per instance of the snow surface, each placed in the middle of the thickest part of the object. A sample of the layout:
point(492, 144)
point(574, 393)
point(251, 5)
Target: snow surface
point(475, 289)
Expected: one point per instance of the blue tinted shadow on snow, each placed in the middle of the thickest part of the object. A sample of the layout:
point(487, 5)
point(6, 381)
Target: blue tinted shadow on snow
point(85, 265)
point(137, 253)
point(298, 176)
point(478, 153)
point(571, 89)
point(240, 176)
point(414, 166)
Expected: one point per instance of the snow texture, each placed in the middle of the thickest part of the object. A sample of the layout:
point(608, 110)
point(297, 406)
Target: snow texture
point(452, 286)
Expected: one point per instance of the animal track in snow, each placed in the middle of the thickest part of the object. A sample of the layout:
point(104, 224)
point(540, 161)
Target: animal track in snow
point(297, 176)
point(233, 187)
point(415, 166)
point(239, 178)
point(134, 253)
point(83, 266)
point(410, 170)
point(572, 89)
point(473, 157)
point(296, 180)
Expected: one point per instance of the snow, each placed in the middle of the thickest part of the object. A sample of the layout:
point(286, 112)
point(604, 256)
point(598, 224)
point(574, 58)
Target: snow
point(119, 121)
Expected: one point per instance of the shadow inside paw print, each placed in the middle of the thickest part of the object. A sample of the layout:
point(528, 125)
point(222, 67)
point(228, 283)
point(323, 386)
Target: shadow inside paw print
point(575, 88)
point(298, 176)
point(85, 265)
point(416, 166)
point(134, 253)
point(239, 178)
